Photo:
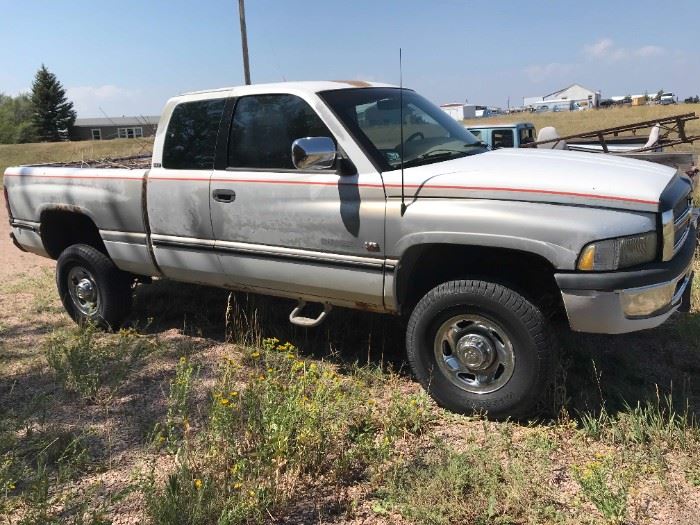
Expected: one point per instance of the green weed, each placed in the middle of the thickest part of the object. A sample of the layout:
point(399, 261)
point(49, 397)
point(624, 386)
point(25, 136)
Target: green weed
point(656, 423)
point(443, 487)
point(86, 360)
point(481, 482)
point(274, 427)
point(34, 464)
point(176, 426)
point(605, 486)
point(692, 475)
point(41, 286)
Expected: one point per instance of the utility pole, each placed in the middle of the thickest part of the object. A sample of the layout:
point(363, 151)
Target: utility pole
point(244, 41)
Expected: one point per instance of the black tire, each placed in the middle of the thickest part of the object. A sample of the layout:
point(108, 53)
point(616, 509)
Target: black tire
point(108, 285)
point(501, 318)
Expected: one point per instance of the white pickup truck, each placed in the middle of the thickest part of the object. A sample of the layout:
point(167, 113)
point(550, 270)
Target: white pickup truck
point(367, 196)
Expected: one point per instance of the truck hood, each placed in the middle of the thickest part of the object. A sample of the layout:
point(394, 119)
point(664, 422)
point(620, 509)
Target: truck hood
point(563, 177)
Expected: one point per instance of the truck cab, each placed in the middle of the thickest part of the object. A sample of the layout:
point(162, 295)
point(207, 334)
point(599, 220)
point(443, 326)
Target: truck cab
point(505, 135)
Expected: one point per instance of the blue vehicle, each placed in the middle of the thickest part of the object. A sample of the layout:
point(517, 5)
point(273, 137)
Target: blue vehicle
point(505, 135)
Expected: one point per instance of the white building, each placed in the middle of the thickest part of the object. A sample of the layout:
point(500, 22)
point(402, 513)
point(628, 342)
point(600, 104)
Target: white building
point(459, 111)
point(574, 93)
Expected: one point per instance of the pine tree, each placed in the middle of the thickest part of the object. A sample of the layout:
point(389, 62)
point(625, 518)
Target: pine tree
point(53, 113)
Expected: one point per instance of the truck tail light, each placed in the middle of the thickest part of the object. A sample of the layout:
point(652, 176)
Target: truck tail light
point(7, 203)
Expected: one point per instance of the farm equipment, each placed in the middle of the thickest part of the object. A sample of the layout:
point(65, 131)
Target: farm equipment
point(625, 140)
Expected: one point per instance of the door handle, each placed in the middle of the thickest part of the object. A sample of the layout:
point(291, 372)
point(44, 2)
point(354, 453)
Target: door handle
point(223, 195)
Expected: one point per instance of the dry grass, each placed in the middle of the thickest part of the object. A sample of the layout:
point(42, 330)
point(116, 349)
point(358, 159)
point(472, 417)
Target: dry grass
point(568, 123)
point(17, 154)
point(200, 430)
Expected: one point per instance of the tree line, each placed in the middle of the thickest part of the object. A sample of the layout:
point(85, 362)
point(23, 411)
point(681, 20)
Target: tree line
point(43, 115)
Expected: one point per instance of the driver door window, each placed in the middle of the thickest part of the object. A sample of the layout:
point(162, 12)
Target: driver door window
point(264, 127)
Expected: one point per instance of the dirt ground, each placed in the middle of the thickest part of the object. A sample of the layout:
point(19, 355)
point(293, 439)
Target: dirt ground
point(12, 260)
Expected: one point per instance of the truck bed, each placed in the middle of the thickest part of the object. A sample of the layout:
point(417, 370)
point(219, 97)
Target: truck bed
point(134, 162)
point(110, 193)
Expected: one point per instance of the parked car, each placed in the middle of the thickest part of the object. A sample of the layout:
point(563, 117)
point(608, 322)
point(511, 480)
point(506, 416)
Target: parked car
point(667, 98)
point(308, 191)
point(508, 135)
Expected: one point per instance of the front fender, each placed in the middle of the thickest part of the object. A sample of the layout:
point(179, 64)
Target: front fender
point(553, 231)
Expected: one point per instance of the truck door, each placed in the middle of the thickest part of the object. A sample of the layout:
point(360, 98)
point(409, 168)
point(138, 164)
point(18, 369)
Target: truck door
point(316, 234)
point(178, 193)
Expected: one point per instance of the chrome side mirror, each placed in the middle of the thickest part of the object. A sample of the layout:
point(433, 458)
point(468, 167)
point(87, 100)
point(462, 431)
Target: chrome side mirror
point(313, 153)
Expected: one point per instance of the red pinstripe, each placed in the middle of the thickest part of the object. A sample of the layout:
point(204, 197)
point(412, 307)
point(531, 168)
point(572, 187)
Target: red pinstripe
point(365, 185)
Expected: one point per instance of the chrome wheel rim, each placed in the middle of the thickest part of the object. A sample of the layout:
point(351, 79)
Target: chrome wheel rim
point(474, 353)
point(83, 291)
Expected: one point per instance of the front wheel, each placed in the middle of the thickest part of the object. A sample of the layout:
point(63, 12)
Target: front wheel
point(479, 346)
point(92, 288)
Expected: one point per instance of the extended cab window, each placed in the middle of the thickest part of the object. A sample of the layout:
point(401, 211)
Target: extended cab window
point(191, 137)
point(264, 127)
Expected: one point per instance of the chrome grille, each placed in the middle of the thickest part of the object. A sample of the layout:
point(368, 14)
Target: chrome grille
point(682, 217)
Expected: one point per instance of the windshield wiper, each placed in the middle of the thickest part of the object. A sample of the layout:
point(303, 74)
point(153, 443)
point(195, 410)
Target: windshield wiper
point(431, 155)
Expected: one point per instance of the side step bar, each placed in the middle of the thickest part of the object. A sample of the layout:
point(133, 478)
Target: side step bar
point(307, 322)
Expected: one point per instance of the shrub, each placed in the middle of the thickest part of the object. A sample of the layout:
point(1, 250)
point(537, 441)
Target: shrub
point(85, 360)
point(275, 426)
point(605, 487)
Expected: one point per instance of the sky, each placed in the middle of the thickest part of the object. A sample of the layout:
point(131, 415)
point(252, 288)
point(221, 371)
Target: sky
point(127, 57)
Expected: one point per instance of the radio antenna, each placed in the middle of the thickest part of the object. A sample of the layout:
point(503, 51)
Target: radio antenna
point(403, 201)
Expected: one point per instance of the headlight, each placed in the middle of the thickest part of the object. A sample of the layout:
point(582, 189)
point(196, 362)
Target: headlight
point(623, 252)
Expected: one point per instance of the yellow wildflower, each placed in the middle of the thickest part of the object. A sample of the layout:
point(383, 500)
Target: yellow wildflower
point(236, 485)
point(233, 394)
point(198, 483)
point(224, 401)
point(255, 354)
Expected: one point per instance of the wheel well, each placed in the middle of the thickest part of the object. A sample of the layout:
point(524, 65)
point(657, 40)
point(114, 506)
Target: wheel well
point(426, 266)
point(60, 229)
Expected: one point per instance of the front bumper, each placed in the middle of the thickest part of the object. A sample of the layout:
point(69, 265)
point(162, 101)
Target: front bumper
point(627, 301)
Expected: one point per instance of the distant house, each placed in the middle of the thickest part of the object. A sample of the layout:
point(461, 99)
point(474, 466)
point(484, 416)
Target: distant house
point(112, 128)
point(583, 96)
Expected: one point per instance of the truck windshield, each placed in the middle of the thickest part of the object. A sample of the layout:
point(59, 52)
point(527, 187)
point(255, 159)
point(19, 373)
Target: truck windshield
point(373, 116)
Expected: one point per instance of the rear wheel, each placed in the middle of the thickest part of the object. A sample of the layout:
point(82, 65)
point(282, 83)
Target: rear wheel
point(479, 346)
point(92, 288)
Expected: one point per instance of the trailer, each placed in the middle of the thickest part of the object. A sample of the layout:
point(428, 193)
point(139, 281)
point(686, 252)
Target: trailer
point(647, 140)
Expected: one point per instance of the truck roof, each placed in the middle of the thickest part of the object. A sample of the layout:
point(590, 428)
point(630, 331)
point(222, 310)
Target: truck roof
point(313, 86)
